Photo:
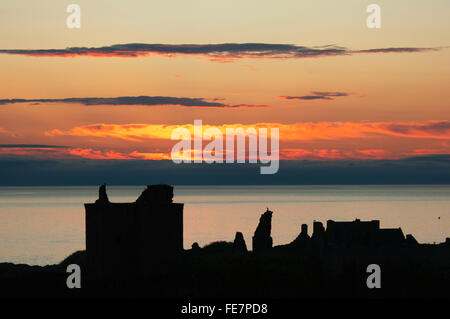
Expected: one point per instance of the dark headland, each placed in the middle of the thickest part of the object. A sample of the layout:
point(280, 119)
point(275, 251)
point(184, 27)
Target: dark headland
point(136, 250)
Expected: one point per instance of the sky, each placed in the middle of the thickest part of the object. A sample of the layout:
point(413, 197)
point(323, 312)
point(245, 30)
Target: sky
point(115, 88)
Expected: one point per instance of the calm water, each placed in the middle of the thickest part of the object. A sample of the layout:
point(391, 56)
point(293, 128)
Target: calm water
point(42, 225)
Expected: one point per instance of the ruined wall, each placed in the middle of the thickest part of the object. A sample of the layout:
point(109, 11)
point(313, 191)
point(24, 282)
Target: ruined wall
point(125, 239)
point(352, 233)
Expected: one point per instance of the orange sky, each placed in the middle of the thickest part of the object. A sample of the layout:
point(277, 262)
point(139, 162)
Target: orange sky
point(333, 106)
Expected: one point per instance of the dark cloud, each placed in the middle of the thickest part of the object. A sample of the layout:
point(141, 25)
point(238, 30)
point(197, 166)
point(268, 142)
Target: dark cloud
point(432, 127)
point(315, 95)
point(397, 50)
point(214, 51)
point(23, 171)
point(133, 101)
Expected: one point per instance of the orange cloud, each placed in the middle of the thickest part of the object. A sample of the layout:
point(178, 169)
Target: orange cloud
point(6, 132)
point(299, 153)
point(311, 141)
point(216, 52)
point(288, 132)
point(95, 154)
point(428, 151)
point(284, 154)
point(374, 153)
point(150, 156)
point(129, 132)
point(89, 153)
point(333, 154)
point(138, 132)
point(41, 152)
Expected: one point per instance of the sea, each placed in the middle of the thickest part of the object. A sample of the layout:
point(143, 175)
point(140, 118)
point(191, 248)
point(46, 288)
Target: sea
point(43, 225)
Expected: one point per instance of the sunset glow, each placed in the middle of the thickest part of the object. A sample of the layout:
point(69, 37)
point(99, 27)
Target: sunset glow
point(353, 93)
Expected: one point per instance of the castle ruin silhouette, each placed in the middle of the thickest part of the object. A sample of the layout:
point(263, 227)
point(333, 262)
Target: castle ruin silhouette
point(135, 238)
point(130, 238)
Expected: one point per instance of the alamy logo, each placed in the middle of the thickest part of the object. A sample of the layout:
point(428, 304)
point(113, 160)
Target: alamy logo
point(74, 19)
point(217, 151)
point(74, 279)
point(374, 279)
point(374, 19)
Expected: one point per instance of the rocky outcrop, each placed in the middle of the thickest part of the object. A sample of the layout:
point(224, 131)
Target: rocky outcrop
point(410, 240)
point(318, 231)
point(156, 194)
point(303, 238)
point(218, 247)
point(239, 243)
point(262, 240)
point(102, 196)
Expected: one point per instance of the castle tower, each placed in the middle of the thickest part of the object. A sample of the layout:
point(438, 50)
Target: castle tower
point(130, 238)
point(262, 240)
